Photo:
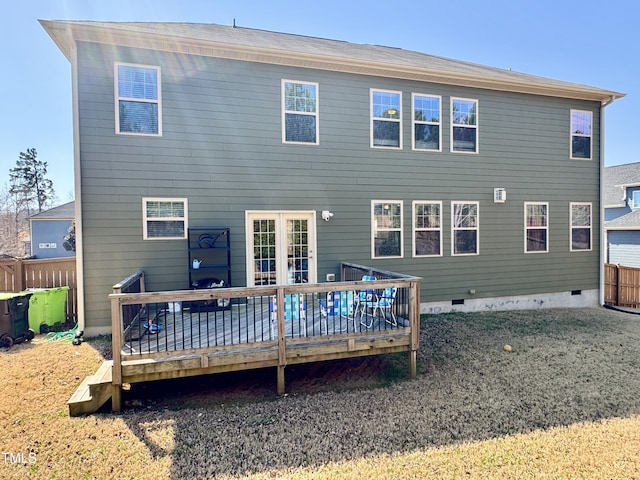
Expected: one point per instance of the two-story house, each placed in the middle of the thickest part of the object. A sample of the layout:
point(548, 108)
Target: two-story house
point(622, 214)
point(482, 181)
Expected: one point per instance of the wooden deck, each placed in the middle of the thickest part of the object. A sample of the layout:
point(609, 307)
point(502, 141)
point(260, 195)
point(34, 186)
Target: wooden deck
point(261, 327)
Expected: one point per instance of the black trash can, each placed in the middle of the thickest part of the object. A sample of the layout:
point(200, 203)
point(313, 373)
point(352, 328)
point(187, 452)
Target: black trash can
point(14, 319)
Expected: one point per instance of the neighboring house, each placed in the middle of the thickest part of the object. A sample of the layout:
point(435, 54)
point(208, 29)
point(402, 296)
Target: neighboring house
point(483, 181)
point(49, 229)
point(622, 214)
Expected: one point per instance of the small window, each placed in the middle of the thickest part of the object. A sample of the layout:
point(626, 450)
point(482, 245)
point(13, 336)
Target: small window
point(299, 112)
point(580, 226)
point(427, 229)
point(386, 123)
point(164, 218)
point(581, 123)
point(386, 220)
point(138, 96)
point(464, 125)
point(536, 227)
point(427, 134)
point(465, 228)
point(635, 199)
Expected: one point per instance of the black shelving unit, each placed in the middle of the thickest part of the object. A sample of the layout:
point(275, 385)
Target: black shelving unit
point(209, 256)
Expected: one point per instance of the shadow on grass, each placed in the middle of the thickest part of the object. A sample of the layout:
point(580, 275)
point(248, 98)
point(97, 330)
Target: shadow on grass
point(566, 366)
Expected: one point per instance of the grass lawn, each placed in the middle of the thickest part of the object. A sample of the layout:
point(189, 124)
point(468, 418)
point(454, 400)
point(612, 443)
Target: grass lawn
point(564, 403)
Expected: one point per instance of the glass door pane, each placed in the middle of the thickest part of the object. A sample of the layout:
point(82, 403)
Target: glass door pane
point(264, 252)
point(297, 251)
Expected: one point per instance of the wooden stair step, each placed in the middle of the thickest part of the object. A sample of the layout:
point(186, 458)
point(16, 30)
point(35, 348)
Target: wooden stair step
point(93, 392)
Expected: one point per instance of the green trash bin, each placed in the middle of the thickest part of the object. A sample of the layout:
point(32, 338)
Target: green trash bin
point(14, 318)
point(47, 308)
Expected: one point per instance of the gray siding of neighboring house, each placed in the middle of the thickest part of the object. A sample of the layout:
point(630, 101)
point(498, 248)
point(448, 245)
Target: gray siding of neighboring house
point(613, 213)
point(221, 148)
point(47, 238)
point(624, 248)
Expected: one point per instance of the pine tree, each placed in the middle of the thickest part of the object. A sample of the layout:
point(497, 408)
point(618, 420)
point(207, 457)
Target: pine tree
point(29, 183)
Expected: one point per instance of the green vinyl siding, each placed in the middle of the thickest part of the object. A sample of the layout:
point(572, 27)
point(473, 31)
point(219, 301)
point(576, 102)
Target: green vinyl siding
point(221, 147)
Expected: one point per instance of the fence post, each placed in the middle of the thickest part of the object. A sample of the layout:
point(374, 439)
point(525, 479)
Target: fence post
point(414, 321)
point(18, 276)
point(618, 286)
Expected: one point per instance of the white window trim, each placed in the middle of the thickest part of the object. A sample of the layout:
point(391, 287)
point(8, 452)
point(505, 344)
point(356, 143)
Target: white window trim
point(314, 114)
point(145, 219)
point(415, 229)
point(571, 227)
point(526, 227)
point(372, 118)
point(477, 150)
point(415, 122)
point(571, 135)
point(374, 228)
point(141, 100)
point(454, 229)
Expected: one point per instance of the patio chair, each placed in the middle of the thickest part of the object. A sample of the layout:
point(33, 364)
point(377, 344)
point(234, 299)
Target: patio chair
point(364, 296)
point(337, 304)
point(381, 305)
point(295, 309)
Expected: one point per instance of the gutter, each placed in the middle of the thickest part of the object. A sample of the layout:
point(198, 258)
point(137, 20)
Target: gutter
point(604, 240)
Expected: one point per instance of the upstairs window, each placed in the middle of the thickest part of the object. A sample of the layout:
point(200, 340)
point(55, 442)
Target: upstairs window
point(635, 199)
point(299, 112)
point(164, 218)
point(464, 125)
point(580, 226)
point(138, 96)
point(386, 220)
point(581, 124)
point(386, 123)
point(426, 122)
point(536, 227)
point(465, 227)
point(427, 229)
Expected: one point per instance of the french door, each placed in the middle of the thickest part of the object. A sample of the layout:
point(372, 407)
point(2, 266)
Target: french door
point(280, 247)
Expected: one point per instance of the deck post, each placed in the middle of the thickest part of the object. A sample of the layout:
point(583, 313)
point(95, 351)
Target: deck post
point(282, 354)
point(414, 320)
point(116, 345)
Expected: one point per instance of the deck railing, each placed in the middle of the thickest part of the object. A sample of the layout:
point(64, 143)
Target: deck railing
point(193, 332)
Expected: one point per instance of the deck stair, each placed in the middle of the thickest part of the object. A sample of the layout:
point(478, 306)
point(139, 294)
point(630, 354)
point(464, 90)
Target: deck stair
point(93, 392)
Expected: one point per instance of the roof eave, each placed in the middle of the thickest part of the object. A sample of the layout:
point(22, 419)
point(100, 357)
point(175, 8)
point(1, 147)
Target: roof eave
point(64, 34)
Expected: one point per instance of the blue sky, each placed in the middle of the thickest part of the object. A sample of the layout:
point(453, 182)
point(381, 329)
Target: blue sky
point(591, 42)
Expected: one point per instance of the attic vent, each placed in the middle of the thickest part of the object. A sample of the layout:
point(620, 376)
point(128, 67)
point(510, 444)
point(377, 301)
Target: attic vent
point(459, 301)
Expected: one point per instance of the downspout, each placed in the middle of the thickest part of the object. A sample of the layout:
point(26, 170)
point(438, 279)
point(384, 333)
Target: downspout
point(77, 185)
point(603, 239)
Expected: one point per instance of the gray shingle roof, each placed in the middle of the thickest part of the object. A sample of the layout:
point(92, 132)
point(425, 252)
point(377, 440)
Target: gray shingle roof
point(66, 211)
point(290, 49)
point(616, 178)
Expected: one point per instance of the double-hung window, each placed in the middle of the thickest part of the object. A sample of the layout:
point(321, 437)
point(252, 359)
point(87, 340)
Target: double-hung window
point(464, 125)
point(386, 119)
point(164, 218)
point(536, 227)
point(580, 226)
point(138, 100)
point(427, 134)
point(465, 228)
point(386, 222)
point(581, 125)
point(299, 112)
point(427, 229)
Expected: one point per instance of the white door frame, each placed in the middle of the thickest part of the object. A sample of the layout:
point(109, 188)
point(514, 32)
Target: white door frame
point(280, 217)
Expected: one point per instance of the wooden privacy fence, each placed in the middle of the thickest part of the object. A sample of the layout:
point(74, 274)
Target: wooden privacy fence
point(17, 275)
point(621, 286)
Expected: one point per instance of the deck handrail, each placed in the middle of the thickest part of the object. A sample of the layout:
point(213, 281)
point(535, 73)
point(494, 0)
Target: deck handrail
point(409, 285)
